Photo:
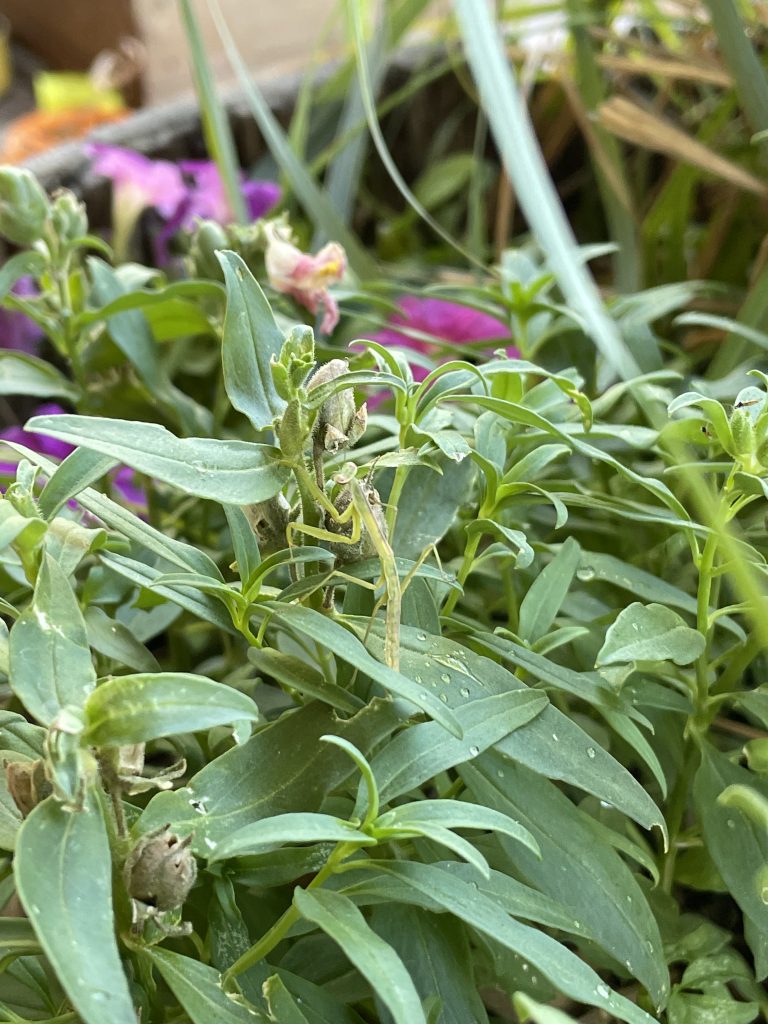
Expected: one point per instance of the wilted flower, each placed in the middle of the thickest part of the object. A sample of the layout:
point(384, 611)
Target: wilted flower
point(422, 319)
point(302, 276)
point(123, 477)
point(160, 870)
point(18, 331)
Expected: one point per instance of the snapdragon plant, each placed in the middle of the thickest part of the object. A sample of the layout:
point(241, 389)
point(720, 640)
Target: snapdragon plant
point(407, 672)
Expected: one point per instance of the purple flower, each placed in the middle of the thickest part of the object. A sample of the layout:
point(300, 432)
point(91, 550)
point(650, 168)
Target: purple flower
point(207, 198)
point(123, 478)
point(442, 321)
point(139, 181)
point(181, 193)
point(18, 331)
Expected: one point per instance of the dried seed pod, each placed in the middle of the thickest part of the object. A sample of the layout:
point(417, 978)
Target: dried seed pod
point(339, 422)
point(27, 784)
point(161, 870)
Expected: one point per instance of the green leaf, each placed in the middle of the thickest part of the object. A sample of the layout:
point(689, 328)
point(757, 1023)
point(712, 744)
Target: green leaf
point(67, 542)
point(428, 505)
point(283, 1007)
point(515, 540)
point(577, 870)
point(737, 845)
point(650, 632)
point(550, 743)
point(51, 663)
point(456, 814)
point(22, 374)
point(198, 988)
point(233, 472)
point(527, 1009)
point(345, 645)
point(137, 708)
point(439, 959)
point(299, 827)
point(433, 887)
point(16, 733)
point(79, 470)
point(251, 339)
point(284, 767)
point(201, 605)
point(21, 265)
point(421, 752)
point(244, 542)
point(340, 919)
point(63, 874)
point(114, 640)
point(547, 592)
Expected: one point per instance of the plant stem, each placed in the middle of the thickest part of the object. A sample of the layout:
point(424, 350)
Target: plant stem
point(706, 566)
point(466, 568)
point(283, 925)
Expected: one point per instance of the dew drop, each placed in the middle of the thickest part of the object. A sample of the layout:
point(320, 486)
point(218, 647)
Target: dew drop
point(764, 894)
point(555, 737)
point(445, 677)
point(649, 945)
point(731, 823)
point(591, 753)
point(417, 679)
point(474, 751)
point(525, 968)
point(444, 698)
point(603, 991)
point(422, 637)
point(585, 574)
point(464, 691)
point(499, 773)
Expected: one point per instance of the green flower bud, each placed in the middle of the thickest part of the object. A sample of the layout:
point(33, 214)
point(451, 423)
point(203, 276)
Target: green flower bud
point(339, 423)
point(208, 239)
point(297, 357)
point(743, 433)
point(68, 217)
point(24, 206)
point(160, 870)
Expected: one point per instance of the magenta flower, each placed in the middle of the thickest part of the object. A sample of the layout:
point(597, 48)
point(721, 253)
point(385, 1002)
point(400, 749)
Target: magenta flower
point(180, 193)
point(123, 478)
point(442, 321)
point(207, 199)
point(302, 276)
point(139, 181)
point(18, 331)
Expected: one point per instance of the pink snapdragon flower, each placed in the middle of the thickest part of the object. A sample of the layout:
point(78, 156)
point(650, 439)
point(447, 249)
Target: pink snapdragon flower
point(445, 322)
point(18, 331)
point(123, 477)
point(302, 276)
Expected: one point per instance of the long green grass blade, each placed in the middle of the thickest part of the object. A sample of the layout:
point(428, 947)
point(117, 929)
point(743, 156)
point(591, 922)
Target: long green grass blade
point(354, 15)
point(218, 137)
point(741, 60)
point(313, 199)
point(528, 172)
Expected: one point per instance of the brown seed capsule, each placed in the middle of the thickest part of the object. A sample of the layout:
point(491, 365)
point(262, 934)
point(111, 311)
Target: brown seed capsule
point(27, 784)
point(161, 870)
point(339, 423)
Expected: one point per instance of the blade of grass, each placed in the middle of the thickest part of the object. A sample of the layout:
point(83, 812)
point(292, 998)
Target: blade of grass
point(313, 199)
point(355, 20)
point(627, 261)
point(742, 62)
point(216, 130)
point(515, 137)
